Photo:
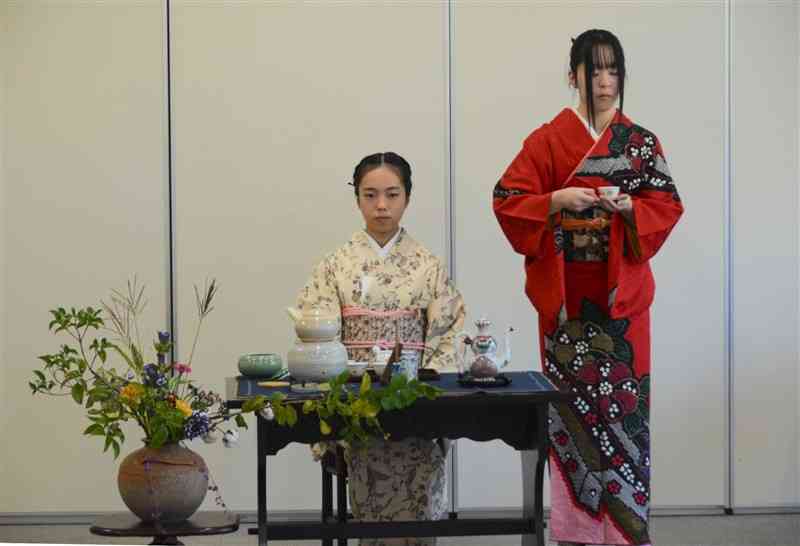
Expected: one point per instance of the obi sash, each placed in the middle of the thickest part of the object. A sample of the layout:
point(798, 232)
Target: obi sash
point(364, 328)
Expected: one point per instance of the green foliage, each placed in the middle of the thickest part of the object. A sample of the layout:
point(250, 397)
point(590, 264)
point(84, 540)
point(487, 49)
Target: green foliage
point(158, 396)
point(348, 415)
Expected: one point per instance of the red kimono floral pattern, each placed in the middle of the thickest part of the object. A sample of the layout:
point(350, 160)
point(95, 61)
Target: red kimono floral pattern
point(602, 439)
point(593, 299)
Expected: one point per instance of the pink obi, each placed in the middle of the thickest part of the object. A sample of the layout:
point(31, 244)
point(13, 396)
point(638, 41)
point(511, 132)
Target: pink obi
point(364, 328)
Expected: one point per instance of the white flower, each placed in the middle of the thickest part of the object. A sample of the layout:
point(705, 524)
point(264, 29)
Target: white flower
point(211, 436)
point(267, 413)
point(230, 438)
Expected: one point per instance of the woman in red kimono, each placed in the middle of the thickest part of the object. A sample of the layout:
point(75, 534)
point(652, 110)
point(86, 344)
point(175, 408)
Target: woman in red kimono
point(588, 276)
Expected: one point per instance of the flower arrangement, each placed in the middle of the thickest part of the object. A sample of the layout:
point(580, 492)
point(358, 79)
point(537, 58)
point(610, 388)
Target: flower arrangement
point(158, 395)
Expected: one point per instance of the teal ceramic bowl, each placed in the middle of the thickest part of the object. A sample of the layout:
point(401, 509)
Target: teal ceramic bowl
point(261, 365)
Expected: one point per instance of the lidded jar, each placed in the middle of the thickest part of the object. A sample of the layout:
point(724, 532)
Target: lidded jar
point(318, 355)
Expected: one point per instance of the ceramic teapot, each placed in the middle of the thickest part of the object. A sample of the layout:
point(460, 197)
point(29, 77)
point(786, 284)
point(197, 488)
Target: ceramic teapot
point(318, 355)
point(485, 362)
point(315, 324)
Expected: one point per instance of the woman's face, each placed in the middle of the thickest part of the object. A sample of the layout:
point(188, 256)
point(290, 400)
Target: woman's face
point(382, 200)
point(605, 81)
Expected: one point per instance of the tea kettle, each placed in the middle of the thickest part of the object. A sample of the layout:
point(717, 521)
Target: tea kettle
point(485, 362)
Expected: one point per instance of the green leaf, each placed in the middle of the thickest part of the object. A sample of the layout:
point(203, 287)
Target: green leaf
point(136, 356)
point(253, 404)
point(77, 393)
point(40, 375)
point(398, 381)
point(408, 397)
point(324, 427)
point(115, 446)
point(94, 430)
point(277, 397)
point(240, 422)
point(159, 437)
point(389, 403)
point(291, 417)
point(366, 384)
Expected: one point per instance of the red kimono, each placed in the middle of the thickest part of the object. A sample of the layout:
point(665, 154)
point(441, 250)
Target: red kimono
point(588, 276)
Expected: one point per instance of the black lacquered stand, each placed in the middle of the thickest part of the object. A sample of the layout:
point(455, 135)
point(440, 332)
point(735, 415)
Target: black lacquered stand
point(125, 524)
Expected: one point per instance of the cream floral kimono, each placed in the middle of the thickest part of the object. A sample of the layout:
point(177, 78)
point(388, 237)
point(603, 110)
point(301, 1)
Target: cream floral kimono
point(405, 295)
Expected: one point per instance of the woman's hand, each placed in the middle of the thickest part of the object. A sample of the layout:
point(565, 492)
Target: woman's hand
point(574, 199)
point(622, 204)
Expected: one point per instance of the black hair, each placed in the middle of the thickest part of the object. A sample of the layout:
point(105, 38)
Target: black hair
point(586, 49)
point(389, 159)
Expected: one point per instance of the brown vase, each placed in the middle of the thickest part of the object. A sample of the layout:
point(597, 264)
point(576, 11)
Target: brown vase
point(167, 484)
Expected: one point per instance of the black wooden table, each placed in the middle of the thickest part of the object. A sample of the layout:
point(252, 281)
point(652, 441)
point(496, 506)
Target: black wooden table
point(126, 524)
point(516, 414)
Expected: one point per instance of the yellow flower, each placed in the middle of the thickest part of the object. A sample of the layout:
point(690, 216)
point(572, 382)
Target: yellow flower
point(184, 407)
point(132, 392)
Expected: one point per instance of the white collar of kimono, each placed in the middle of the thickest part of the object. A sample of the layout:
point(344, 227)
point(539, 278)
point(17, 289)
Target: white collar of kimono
point(384, 250)
point(589, 128)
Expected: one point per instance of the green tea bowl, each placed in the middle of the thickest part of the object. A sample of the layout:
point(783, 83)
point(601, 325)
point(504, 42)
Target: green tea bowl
point(260, 365)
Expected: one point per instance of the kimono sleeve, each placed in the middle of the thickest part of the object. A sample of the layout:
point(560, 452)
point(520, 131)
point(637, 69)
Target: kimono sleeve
point(522, 197)
point(321, 290)
point(657, 207)
point(445, 316)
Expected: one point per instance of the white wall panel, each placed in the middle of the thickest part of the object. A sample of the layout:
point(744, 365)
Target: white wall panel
point(275, 103)
point(4, 20)
point(765, 264)
point(84, 199)
point(510, 76)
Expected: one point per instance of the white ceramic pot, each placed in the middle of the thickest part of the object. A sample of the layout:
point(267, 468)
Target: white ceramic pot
point(315, 324)
point(316, 362)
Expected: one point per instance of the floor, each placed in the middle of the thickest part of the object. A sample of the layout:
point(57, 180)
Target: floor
point(738, 530)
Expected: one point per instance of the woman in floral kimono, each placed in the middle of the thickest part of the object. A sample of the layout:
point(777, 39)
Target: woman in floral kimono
point(588, 276)
point(385, 285)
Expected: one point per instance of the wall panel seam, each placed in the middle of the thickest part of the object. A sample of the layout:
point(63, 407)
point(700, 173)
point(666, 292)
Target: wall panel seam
point(728, 251)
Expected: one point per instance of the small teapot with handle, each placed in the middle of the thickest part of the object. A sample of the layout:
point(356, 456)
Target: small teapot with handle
point(485, 362)
point(315, 323)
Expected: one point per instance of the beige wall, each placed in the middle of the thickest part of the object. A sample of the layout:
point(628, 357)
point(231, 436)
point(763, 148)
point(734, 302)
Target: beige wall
point(273, 105)
point(85, 209)
point(765, 267)
point(4, 21)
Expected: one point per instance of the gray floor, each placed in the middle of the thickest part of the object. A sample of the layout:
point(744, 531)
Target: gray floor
point(744, 530)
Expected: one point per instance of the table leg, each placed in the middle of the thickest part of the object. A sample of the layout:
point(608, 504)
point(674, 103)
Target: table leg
point(341, 490)
point(261, 439)
point(327, 500)
point(533, 462)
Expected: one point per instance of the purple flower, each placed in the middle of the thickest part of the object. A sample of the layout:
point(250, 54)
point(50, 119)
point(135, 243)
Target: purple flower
point(196, 425)
point(162, 347)
point(153, 377)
